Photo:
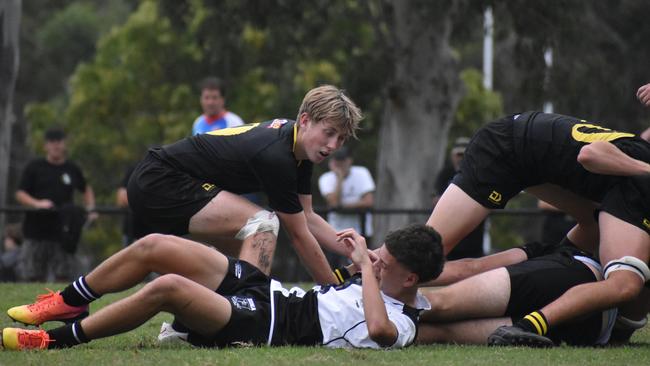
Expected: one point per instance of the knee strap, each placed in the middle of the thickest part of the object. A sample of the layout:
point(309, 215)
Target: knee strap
point(260, 222)
point(628, 263)
point(628, 323)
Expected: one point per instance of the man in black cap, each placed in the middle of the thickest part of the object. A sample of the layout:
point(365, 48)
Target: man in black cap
point(47, 185)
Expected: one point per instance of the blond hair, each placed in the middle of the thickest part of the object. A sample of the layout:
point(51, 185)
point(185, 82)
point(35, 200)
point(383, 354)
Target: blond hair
point(330, 103)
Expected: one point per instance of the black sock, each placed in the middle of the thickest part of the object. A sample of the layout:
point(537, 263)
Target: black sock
point(78, 293)
point(67, 336)
point(534, 322)
point(180, 327)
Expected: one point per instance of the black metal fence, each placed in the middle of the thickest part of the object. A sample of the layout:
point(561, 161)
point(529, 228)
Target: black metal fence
point(505, 228)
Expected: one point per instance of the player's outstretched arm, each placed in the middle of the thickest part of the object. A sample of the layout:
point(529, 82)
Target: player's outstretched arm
point(323, 232)
point(603, 157)
point(380, 328)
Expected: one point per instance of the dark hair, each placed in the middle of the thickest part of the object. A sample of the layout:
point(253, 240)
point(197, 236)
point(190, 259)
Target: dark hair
point(213, 83)
point(341, 154)
point(54, 134)
point(419, 248)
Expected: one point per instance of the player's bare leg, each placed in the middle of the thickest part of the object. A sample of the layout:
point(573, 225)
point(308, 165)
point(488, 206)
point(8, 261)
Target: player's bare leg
point(456, 214)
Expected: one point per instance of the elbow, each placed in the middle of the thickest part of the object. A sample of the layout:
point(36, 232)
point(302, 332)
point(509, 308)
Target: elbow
point(588, 154)
point(382, 334)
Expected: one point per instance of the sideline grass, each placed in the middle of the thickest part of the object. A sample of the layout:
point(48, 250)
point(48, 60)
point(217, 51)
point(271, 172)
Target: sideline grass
point(139, 348)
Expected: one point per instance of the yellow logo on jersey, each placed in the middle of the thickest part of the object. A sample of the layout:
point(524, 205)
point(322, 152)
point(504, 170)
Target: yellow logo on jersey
point(585, 132)
point(495, 197)
point(646, 223)
point(208, 186)
point(234, 130)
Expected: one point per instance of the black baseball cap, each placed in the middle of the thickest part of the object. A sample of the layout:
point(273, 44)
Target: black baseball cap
point(54, 134)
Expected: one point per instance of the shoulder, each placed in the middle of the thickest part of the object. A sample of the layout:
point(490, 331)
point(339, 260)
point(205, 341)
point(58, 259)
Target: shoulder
point(233, 119)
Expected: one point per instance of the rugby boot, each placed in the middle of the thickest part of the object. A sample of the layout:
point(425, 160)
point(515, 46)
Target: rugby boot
point(514, 336)
point(20, 339)
point(48, 307)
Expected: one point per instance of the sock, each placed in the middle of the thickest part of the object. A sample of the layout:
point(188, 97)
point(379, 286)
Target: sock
point(534, 322)
point(180, 327)
point(78, 293)
point(67, 336)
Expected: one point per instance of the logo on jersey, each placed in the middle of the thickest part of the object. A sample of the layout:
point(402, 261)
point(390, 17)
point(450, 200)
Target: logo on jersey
point(208, 186)
point(277, 123)
point(65, 178)
point(646, 223)
point(585, 132)
point(495, 197)
point(233, 130)
point(237, 269)
point(243, 303)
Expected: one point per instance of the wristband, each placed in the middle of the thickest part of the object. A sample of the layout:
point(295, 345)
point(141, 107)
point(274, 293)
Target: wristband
point(342, 274)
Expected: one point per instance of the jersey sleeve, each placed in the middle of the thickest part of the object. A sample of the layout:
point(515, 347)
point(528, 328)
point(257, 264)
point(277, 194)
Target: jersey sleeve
point(80, 181)
point(27, 179)
point(406, 330)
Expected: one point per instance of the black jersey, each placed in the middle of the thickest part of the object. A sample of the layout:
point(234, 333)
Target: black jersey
point(546, 146)
point(250, 158)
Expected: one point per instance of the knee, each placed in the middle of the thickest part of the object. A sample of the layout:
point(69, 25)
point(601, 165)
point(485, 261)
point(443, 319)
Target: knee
point(626, 286)
point(148, 245)
point(165, 288)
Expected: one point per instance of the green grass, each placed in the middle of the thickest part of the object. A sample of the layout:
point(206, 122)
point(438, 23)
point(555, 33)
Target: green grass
point(139, 348)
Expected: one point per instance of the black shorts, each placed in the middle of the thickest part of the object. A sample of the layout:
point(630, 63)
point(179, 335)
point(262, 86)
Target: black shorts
point(248, 291)
point(164, 198)
point(488, 173)
point(630, 202)
point(537, 282)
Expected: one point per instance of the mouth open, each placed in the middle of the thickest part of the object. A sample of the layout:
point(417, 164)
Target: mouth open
point(323, 154)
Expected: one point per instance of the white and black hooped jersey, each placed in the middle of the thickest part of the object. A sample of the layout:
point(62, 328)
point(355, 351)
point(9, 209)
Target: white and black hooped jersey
point(341, 316)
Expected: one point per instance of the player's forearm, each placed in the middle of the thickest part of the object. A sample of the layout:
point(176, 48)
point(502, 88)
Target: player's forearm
point(313, 258)
point(89, 198)
point(380, 328)
point(603, 157)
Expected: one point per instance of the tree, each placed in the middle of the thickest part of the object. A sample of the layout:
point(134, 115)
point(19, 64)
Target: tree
point(9, 62)
point(422, 94)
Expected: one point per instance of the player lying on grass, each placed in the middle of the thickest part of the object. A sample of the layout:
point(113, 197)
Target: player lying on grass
point(247, 306)
point(527, 278)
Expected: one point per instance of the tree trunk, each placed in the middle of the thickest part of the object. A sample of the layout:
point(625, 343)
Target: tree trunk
point(9, 59)
point(421, 100)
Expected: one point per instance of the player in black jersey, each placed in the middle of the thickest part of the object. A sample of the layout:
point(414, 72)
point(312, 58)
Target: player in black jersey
point(193, 186)
point(577, 166)
point(507, 285)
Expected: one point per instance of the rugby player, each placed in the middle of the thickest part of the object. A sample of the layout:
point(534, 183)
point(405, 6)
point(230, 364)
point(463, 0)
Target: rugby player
point(529, 277)
point(377, 307)
point(193, 186)
point(580, 168)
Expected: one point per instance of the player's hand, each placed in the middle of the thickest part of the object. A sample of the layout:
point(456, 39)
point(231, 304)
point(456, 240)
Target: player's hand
point(644, 95)
point(356, 247)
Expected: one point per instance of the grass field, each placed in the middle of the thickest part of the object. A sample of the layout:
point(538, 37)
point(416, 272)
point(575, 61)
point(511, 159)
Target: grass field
point(139, 348)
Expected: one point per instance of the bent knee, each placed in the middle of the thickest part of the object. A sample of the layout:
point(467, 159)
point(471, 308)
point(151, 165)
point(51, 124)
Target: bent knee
point(626, 285)
point(148, 244)
point(166, 285)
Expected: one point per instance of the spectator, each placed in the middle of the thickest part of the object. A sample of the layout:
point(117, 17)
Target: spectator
point(472, 245)
point(47, 185)
point(9, 255)
point(350, 187)
point(215, 116)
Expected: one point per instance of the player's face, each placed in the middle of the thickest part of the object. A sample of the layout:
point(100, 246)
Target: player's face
point(392, 274)
point(212, 101)
point(316, 141)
